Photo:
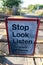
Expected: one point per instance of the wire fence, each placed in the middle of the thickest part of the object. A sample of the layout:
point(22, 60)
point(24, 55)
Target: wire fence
point(37, 59)
point(4, 44)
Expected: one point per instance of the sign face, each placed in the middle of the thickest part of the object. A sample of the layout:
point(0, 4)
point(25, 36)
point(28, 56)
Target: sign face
point(22, 34)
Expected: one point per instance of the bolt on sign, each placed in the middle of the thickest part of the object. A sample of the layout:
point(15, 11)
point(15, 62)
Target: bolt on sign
point(22, 35)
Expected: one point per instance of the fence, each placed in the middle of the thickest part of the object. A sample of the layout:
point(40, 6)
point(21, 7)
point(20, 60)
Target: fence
point(33, 60)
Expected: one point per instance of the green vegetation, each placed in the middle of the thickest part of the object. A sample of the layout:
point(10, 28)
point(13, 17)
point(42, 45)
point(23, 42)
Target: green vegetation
point(35, 7)
point(31, 7)
point(39, 12)
point(12, 4)
point(13, 7)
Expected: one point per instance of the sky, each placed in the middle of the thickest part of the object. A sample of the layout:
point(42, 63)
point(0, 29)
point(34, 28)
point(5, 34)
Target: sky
point(28, 2)
point(0, 3)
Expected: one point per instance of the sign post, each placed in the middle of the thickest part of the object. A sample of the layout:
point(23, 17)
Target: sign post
point(22, 35)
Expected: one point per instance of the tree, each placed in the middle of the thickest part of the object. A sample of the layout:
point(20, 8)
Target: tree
point(40, 6)
point(12, 3)
point(35, 7)
point(31, 7)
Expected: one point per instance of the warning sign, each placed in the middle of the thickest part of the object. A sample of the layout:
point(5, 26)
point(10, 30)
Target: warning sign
point(22, 35)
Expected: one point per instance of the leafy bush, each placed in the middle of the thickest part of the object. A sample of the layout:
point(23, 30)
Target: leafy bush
point(39, 12)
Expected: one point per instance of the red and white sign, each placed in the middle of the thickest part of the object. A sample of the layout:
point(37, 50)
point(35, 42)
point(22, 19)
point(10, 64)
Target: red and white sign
point(22, 35)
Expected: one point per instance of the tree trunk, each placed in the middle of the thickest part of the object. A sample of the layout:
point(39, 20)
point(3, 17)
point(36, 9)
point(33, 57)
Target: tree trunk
point(15, 10)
